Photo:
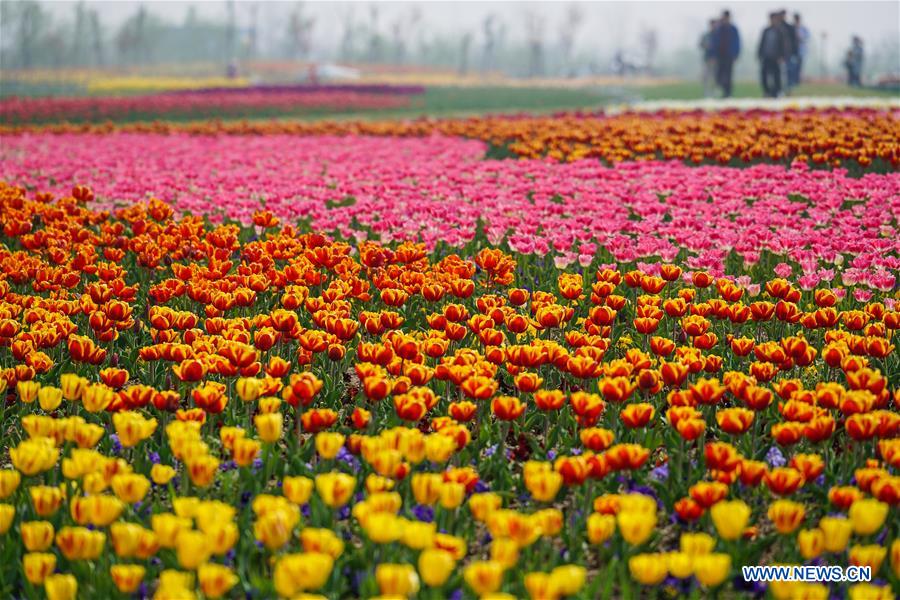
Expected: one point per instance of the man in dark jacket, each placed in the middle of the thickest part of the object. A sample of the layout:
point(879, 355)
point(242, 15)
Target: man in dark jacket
point(790, 51)
point(771, 53)
point(727, 44)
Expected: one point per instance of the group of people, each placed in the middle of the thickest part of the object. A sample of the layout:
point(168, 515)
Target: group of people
point(782, 51)
point(782, 48)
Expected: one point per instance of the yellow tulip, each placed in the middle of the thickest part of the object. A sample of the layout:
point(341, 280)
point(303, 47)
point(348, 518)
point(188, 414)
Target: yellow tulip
point(221, 536)
point(269, 426)
point(132, 427)
point(248, 388)
point(483, 504)
point(72, 386)
point(871, 555)
point(426, 487)
point(600, 527)
point(130, 487)
point(161, 474)
point(868, 591)
point(543, 485)
point(712, 569)
point(452, 495)
point(125, 537)
point(274, 527)
point(568, 579)
point(325, 541)
point(647, 569)
point(46, 499)
point(127, 578)
point(328, 444)
point(867, 516)
point(695, 544)
point(539, 586)
point(37, 566)
point(680, 564)
point(435, 566)
point(49, 398)
point(28, 391)
point(505, 551)
point(397, 579)
point(34, 456)
point(9, 482)
point(550, 521)
point(335, 488)
point(483, 576)
point(635, 527)
point(245, 451)
point(837, 532)
point(80, 543)
point(811, 543)
point(730, 518)
point(61, 587)
point(301, 572)
point(209, 513)
point(96, 397)
point(297, 489)
point(175, 585)
point(7, 514)
point(98, 510)
point(418, 535)
point(215, 580)
point(167, 526)
point(37, 535)
point(202, 470)
point(191, 549)
point(383, 527)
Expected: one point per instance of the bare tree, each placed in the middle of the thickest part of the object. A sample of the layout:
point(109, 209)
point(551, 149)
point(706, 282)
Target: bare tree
point(649, 45)
point(230, 32)
point(490, 42)
point(347, 36)
point(534, 26)
point(397, 40)
point(97, 36)
point(567, 33)
point(374, 54)
point(300, 30)
point(79, 38)
point(464, 43)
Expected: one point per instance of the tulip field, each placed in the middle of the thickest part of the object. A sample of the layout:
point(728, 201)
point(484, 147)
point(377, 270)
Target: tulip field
point(565, 356)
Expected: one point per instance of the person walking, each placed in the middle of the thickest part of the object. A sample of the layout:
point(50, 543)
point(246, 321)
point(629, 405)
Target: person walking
point(708, 50)
point(854, 62)
point(801, 32)
point(790, 49)
point(770, 53)
point(727, 43)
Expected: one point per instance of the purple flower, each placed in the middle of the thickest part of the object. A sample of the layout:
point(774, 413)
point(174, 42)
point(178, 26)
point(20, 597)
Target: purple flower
point(423, 513)
point(660, 473)
point(775, 458)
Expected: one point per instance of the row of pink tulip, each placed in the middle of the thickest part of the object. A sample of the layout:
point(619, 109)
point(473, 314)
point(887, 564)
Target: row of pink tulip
point(438, 189)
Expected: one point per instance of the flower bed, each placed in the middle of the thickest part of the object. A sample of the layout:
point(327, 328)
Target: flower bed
point(437, 190)
point(861, 138)
point(209, 408)
point(224, 102)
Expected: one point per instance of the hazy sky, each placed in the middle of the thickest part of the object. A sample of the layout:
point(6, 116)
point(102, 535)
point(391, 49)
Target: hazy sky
point(604, 25)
